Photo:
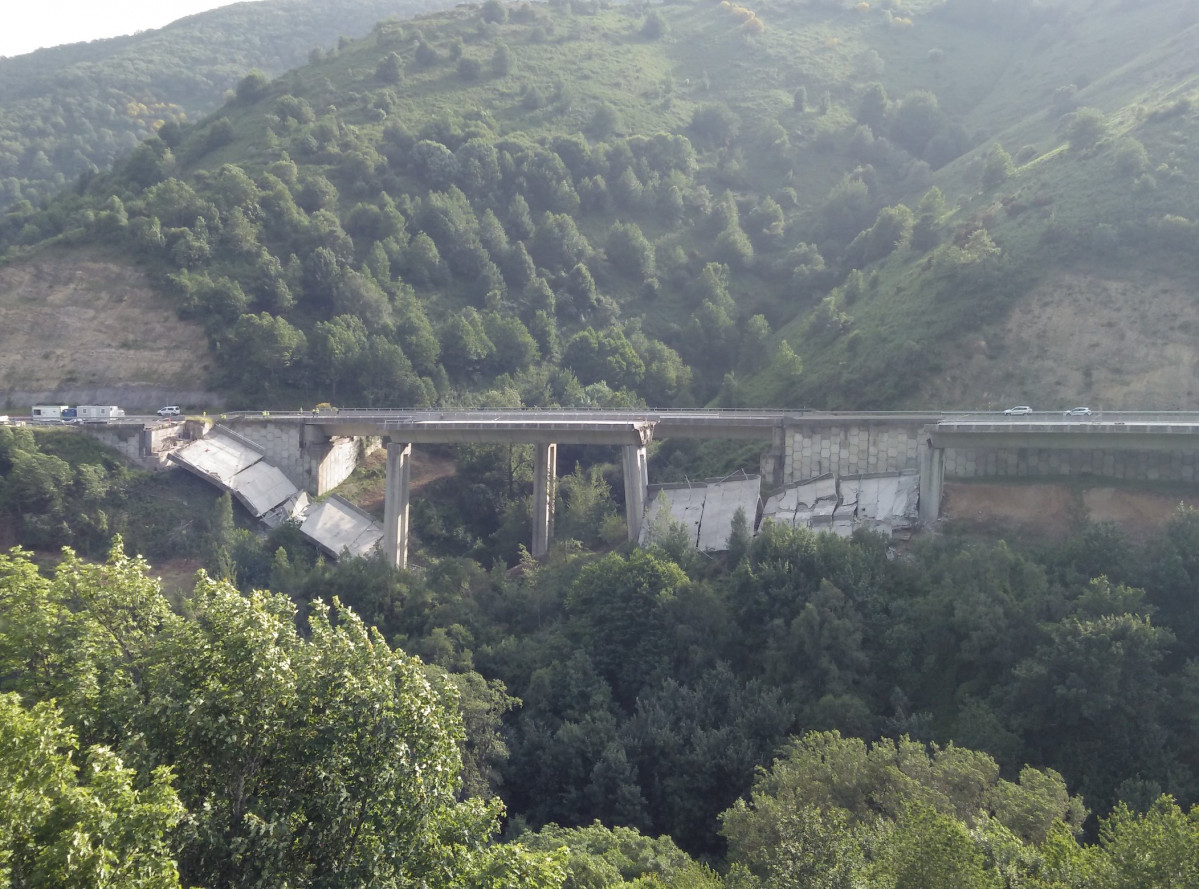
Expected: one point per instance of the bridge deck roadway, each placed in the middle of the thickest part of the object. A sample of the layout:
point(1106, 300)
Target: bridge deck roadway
point(1087, 434)
point(570, 426)
point(497, 430)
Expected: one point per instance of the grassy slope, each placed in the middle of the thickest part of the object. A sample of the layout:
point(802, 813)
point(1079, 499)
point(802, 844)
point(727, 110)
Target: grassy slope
point(918, 339)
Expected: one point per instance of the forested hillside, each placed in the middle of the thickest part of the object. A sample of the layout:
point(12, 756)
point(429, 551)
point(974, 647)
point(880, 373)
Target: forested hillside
point(590, 204)
point(71, 110)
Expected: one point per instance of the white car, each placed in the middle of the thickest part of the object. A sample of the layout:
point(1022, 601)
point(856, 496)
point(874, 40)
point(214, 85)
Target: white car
point(1018, 411)
point(1078, 412)
point(171, 410)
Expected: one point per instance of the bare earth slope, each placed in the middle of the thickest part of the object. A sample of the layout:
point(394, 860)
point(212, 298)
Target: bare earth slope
point(1128, 343)
point(81, 327)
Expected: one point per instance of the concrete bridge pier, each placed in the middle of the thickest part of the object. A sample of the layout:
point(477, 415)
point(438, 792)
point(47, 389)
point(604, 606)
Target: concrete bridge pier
point(545, 479)
point(932, 479)
point(395, 503)
point(636, 484)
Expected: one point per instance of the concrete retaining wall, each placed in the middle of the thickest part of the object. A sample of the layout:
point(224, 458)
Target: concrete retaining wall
point(852, 448)
point(133, 397)
point(126, 440)
point(310, 460)
point(968, 463)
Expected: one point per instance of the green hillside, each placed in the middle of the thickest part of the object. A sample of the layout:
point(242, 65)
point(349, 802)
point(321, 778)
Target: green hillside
point(581, 203)
point(70, 110)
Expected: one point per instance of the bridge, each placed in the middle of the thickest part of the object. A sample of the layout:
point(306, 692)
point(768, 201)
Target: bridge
point(318, 449)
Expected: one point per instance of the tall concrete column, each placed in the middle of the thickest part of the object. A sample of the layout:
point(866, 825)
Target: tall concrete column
point(545, 477)
point(636, 481)
point(395, 503)
point(932, 476)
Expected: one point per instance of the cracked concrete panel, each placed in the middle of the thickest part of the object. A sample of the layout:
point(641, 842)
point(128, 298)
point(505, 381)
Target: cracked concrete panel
point(673, 504)
point(720, 506)
point(706, 509)
point(885, 502)
point(262, 487)
point(798, 504)
point(217, 456)
point(337, 526)
point(886, 499)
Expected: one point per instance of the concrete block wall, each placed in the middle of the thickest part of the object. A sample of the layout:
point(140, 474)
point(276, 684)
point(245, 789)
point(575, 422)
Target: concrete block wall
point(851, 448)
point(308, 459)
point(281, 443)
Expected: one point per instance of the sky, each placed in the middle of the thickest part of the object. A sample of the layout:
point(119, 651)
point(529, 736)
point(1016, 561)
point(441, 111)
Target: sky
point(27, 25)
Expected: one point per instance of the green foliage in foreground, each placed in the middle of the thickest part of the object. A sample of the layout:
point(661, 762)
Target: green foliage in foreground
point(314, 758)
point(228, 743)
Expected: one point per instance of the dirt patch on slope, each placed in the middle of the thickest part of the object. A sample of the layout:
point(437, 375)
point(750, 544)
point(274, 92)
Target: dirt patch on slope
point(1047, 510)
point(1128, 343)
point(79, 321)
point(427, 467)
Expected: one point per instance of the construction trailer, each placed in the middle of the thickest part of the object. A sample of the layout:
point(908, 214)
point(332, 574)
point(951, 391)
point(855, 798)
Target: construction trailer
point(48, 412)
point(98, 413)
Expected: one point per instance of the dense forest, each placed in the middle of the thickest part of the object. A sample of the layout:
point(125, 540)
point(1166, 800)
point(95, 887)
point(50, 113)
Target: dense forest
point(587, 204)
point(72, 110)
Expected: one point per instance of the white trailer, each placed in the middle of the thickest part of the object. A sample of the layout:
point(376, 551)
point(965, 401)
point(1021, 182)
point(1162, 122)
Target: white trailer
point(48, 412)
point(98, 413)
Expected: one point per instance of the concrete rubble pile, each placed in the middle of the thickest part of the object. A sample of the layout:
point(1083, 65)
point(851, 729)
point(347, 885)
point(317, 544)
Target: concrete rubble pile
point(883, 502)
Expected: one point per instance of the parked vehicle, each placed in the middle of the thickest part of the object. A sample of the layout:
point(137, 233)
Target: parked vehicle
point(1078, 412)
point(171, 410)
point(1018, 410)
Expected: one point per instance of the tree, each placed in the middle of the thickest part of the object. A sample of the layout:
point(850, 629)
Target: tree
point(927, 849)
point(252, 87)
point(619, 609)
point(892, 229)
point(846, 209)
point(220, 539)
point(630, 252)
point(925, 231)
point(314, 757)
point(390, 69)
point(872, 108)
point(605, 120)
point(64, 825)
point(714, 125)
point(269, 347)
point(654, 27)
point(501, 60)
point(918, 118)
point(997, 168)
point(558, 243)
point(620, 857)
point(494, 12)
point(1085, 128)
point(1158, 848)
